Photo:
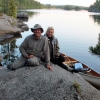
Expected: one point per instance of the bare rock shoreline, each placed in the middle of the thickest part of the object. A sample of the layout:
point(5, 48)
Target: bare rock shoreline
point(39, 83)
point(10, 25)
point(10, 28)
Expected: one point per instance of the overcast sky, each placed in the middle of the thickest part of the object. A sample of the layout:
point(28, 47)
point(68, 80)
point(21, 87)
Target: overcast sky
point(86, 3)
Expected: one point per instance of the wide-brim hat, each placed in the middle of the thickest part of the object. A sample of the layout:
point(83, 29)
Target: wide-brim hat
point(36, 26)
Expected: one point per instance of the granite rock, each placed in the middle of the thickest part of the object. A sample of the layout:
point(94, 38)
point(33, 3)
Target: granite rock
point(39, 83)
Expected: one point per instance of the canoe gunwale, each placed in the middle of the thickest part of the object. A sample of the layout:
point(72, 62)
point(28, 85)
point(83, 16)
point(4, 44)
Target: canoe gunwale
point(93, 80)
point(91, 76)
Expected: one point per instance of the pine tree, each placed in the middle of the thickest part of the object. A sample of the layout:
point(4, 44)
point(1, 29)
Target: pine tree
point(12, 9)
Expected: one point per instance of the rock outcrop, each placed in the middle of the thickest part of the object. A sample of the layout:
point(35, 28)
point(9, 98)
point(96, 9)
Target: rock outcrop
point(22, 15)
point(39, 83)
point(21, 25)
point(10, 25)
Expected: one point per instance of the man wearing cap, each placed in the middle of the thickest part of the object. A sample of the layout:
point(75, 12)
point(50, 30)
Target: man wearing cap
point(32, 48)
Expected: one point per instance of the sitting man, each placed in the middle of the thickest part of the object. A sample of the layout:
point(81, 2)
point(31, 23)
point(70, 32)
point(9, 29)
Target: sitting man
point(31, 49)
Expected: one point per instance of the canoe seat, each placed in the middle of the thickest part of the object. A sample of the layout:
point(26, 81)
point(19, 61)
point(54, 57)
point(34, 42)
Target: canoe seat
point(70, 62)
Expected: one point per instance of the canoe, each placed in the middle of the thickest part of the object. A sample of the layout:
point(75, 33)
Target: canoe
point(90, 75)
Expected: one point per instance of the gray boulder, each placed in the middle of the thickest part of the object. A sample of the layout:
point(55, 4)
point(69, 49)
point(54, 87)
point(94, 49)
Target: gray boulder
point(23, 26)
point(22, 15)
point(8, 25)
point(39, 83)
point(11, 25)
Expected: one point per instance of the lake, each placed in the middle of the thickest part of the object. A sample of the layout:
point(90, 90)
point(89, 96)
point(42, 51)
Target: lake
point(75, 30)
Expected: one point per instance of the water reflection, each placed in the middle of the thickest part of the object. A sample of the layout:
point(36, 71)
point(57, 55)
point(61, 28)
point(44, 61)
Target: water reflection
point(30, 12)
point(5, 38)
point(96, 49)
point(8, 48)
point(23, 19)
point(96, 18)
point(75, 30)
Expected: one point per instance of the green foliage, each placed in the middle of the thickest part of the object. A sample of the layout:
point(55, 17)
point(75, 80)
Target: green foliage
point(96, 18)
point(77, 8)
point(66, 7)
point(76, 85)
point(12, 10)
point(10, 6)
point(4, 6)
point(95, 50)
point(32, 4)
point(25, 4)
point(9, 52)
point(95, 7)
point(13, 23)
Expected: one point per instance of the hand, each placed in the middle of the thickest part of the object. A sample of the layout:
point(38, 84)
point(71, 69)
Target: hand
point(49, 67)
point(31, 56)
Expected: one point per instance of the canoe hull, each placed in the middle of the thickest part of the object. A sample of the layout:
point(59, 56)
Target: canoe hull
point(91, 76)
point(95, 81)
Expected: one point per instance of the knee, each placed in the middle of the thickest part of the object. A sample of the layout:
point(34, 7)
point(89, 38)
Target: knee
point(33, 61)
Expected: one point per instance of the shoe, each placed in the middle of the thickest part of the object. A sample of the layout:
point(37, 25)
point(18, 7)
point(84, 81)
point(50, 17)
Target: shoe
point(9, 67)
point(76, 70)
point(84, 70)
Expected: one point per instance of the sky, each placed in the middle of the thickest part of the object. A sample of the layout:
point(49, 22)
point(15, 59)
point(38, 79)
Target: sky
point(85, 3)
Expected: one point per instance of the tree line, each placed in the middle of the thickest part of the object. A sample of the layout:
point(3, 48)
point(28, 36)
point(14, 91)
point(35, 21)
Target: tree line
point(21, 4)
point(95, 7)
point(10, 7)
point(65, 7)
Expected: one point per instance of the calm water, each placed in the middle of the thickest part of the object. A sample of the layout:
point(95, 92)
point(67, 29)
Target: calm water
point(75, 30)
